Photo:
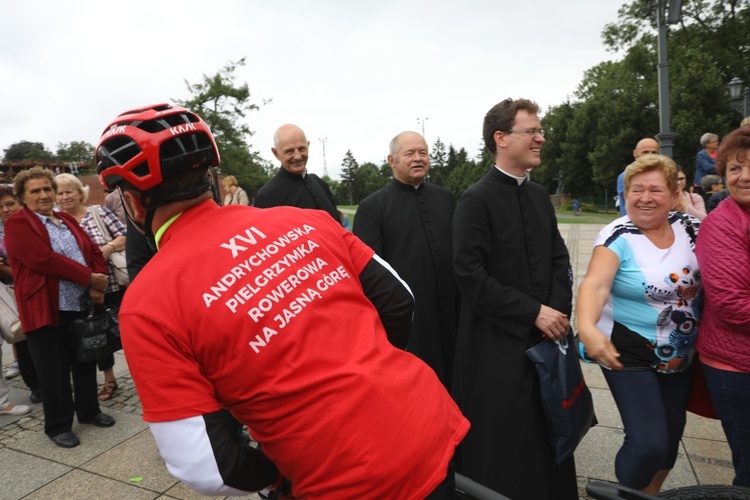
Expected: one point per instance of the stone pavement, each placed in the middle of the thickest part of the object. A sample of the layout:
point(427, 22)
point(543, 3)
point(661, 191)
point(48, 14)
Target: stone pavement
point(122, 462)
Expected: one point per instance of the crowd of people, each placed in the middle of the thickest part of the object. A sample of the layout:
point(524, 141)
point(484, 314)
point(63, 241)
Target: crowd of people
point(385, 356)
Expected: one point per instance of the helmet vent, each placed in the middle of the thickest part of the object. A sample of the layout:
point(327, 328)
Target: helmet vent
point(119, 150)
point(141, 170)
point(185, 144)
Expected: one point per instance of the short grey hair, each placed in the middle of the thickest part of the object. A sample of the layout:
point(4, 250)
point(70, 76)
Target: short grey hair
point(709, 180)
point(19, 181)
point(395, 142)
point(708, 136)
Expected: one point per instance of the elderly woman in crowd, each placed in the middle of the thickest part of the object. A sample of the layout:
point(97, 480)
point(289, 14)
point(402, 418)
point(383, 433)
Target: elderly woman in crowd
point(54, 264)
point(723, 252)
point(705, 159)
point(22, 363)
point(711, 184)
point(8, 207)
point(689, 202)
point(235, 194)
point(71, 198)
point(637, 318)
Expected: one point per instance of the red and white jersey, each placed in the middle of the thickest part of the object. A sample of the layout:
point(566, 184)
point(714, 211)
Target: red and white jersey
point(260, 311)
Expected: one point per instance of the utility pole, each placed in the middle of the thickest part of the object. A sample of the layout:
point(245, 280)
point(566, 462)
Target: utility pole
point(420, 122)
point(325, 165)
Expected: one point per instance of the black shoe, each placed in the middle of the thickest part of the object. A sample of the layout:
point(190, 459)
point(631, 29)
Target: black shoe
point(100, 420)
point(66, 440)
point(36, 396)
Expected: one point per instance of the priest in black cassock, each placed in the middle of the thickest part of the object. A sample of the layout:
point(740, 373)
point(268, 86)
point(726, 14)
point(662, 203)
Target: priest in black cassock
point(293, 185)
point(513, 272)
point(408, 224)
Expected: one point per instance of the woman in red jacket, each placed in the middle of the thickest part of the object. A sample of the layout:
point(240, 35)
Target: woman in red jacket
point(54, 263)
point(723, 251)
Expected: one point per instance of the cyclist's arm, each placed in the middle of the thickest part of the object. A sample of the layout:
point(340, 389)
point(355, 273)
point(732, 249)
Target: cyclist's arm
point(392, 298)
point(199, 452)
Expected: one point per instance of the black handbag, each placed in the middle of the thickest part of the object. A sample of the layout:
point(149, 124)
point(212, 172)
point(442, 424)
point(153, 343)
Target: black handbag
point(96, 332)
point(567, 400)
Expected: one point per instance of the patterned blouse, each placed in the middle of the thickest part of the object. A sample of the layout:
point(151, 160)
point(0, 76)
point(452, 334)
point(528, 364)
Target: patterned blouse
point(64, 243)
point(655, 303)
point(115, 228)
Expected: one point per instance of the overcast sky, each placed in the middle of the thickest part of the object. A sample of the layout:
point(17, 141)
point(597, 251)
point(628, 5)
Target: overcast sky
point(355, 73)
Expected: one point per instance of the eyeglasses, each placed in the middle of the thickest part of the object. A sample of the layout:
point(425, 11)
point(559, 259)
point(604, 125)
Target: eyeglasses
point(532, 131)
point(9, 204)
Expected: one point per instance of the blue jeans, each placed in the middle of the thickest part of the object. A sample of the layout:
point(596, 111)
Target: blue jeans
point(730, 394)
point(652, 406)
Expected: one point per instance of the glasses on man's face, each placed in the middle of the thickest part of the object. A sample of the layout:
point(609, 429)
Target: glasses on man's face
point(531, 131)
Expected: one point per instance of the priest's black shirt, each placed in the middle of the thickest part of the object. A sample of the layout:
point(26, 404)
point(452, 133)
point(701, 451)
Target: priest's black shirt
point(295, 190)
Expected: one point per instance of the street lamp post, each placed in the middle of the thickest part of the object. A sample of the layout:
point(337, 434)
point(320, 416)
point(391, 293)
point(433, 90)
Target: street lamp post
point(740, 100)
point(665, 14)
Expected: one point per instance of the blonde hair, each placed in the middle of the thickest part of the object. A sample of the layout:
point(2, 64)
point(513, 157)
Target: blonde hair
point(72, 180)
point(230, 180)
point(653, 163)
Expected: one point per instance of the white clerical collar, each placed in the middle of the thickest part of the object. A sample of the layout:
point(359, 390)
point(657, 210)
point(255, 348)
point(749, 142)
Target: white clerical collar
point(518, 179)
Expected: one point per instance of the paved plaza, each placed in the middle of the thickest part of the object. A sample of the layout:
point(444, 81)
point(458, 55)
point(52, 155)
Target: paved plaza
point(122, 462)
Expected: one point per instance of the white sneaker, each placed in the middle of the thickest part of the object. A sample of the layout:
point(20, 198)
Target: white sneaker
point(12, 370)
point(11, 409)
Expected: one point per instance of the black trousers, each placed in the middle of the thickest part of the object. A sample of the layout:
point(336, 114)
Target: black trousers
point(26, 366)
point(53, 351)
point(110, 299)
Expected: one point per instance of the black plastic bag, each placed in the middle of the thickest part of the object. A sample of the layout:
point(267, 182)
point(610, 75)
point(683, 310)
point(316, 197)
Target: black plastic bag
point(567, 400)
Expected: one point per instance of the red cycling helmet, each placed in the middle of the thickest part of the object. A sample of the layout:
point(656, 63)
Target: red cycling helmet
point(146, 147)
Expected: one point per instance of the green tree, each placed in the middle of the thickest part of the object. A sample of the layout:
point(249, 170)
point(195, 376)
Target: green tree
point(349, 170)
point(76, 151)
point(368, 180)
point(556, 123)
point(340, 197)
point(591, 139)
point(438, 163)
point(27, 151)
point(386, 172)
point(463, 171)
point(720, 28)
point(224, 104)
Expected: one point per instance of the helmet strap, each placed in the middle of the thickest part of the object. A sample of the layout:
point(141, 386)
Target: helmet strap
point(149, 233)
point(144, 227)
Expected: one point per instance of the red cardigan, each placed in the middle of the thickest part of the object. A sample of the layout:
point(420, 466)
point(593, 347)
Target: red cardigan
point(37, 269)
point(723, 251)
